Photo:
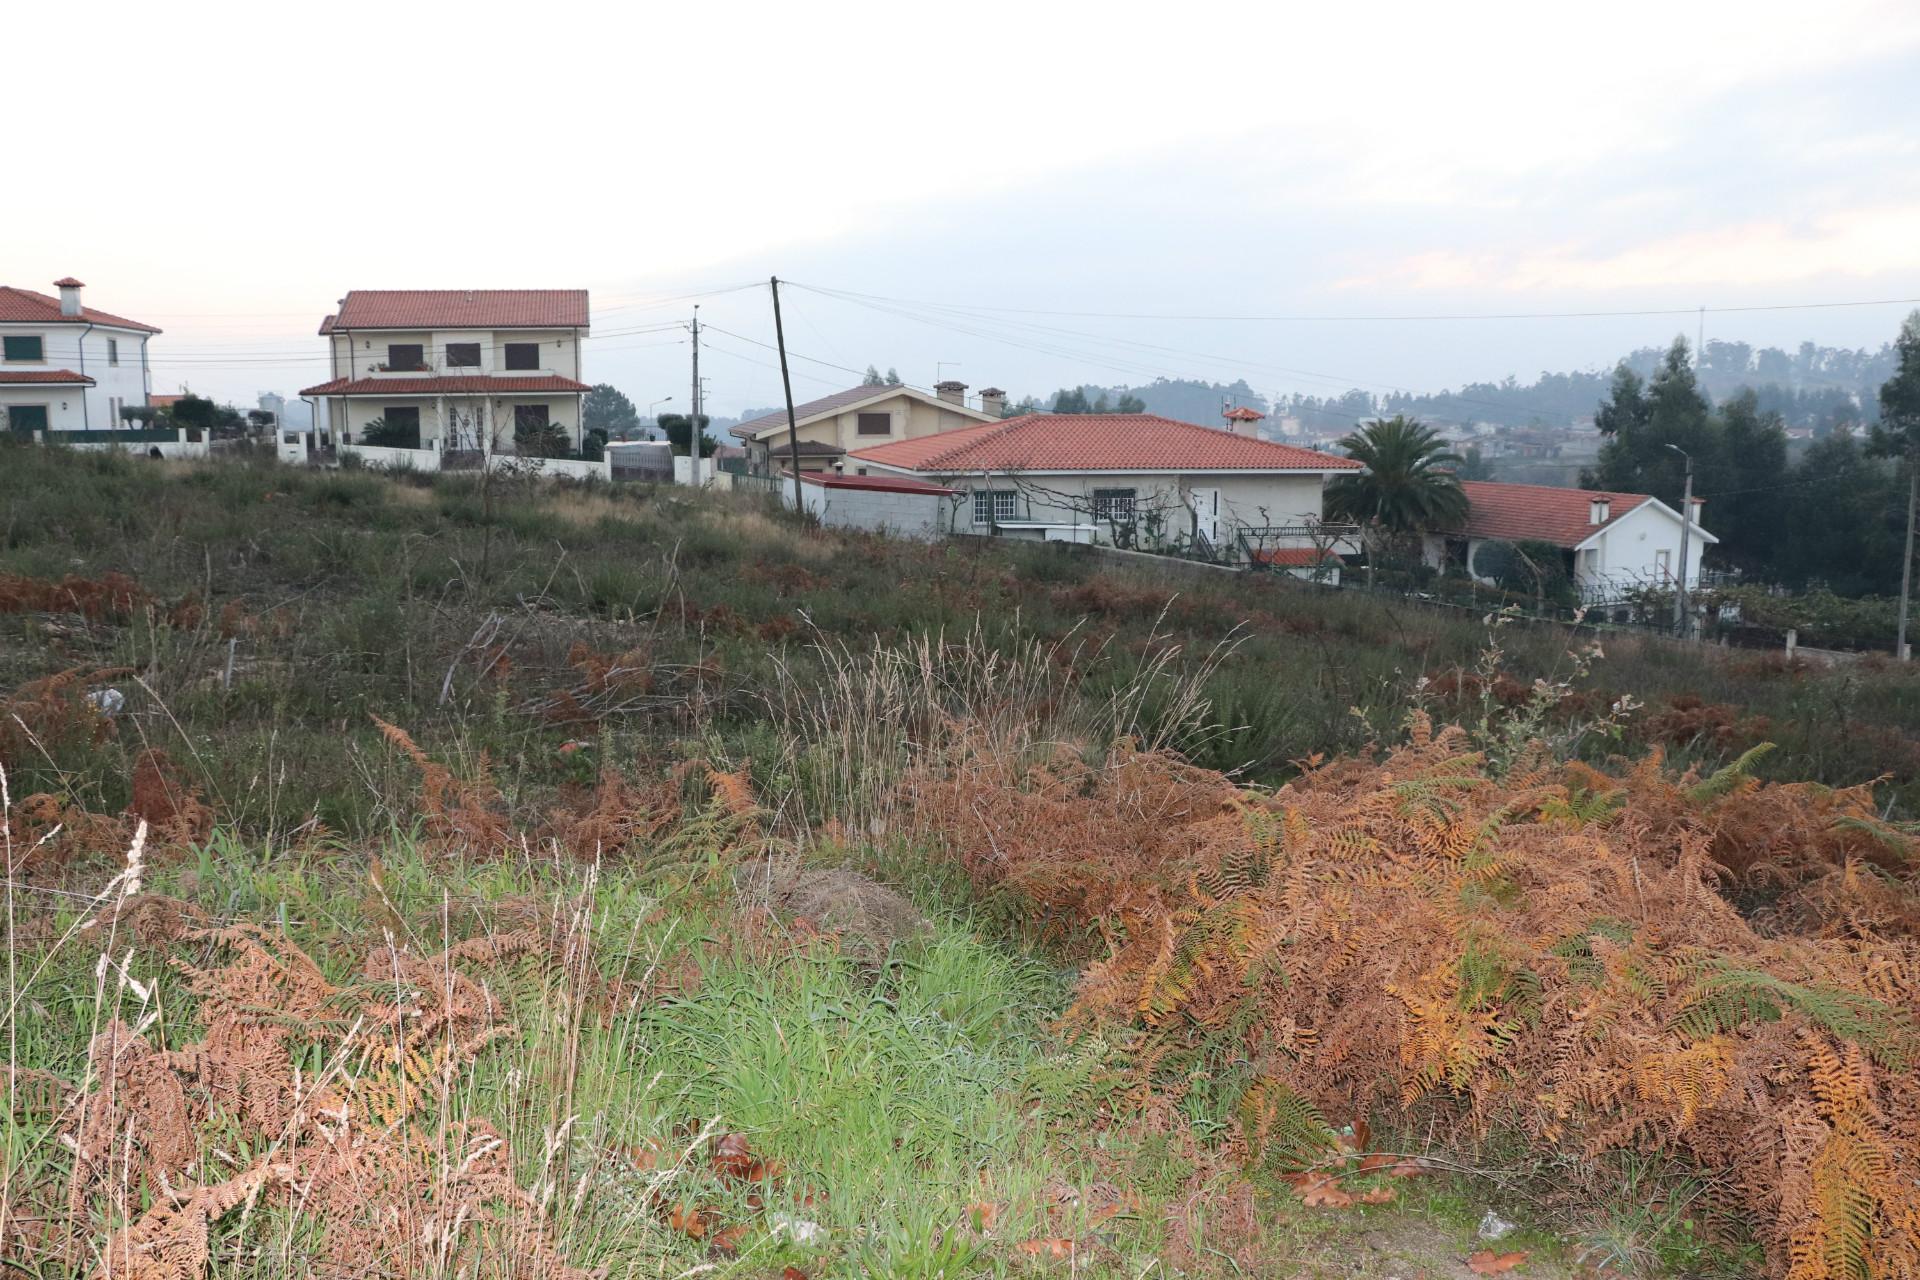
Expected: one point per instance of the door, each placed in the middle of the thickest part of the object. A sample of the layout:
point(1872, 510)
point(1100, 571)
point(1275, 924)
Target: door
point(1206, 515)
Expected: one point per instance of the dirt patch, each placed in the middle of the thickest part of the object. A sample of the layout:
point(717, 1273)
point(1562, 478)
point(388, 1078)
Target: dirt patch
point(868, 916)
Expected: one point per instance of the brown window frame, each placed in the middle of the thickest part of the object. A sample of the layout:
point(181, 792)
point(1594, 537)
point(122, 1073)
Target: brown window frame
point(862, 419)
point(521, 355)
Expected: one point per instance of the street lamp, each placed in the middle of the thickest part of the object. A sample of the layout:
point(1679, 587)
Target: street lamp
point(655, 405)
point(1681, 620)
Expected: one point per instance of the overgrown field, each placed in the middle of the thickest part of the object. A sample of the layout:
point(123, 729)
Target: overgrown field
point(414, 879)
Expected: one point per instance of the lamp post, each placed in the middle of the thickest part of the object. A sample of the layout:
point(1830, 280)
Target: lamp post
point(1682, 621)
point(655, 405)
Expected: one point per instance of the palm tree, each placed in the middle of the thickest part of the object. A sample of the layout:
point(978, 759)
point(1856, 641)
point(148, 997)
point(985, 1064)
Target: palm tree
point(1409, 483)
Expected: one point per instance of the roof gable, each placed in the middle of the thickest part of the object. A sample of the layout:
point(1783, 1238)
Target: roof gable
point(1544, 513)
point(24, 306)
point(843, 401)
point(461, 309)
point(1117, 442)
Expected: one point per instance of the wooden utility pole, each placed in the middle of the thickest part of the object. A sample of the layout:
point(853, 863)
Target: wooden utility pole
point(786, 385)
point(1900, 651)
point(693, 408)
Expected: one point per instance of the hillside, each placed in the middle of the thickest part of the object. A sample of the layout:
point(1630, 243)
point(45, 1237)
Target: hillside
point(543, 881)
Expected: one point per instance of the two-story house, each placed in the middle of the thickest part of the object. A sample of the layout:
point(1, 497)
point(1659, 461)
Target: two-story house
point(442, 371)
point(829, 427)
point(66, 368)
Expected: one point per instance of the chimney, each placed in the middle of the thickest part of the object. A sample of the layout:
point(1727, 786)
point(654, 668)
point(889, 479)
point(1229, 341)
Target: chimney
point(1243, 421)
point(993, 400)
point(1698, 505)
point(951, 391)
point(69, 295)
point(1598, 510)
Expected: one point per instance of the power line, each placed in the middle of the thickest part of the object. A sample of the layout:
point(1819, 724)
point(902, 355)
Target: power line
point(1383, 318)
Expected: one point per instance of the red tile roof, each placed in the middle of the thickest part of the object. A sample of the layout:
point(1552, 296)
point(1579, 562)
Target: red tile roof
point(1243, 414)
point(878, 484)
point(44, 378)
point(1540, 513)
point(24, 306)
point(461, 309)
point(1094, 442)
point(1295, 557)
point(460, 384)
point(68, 282)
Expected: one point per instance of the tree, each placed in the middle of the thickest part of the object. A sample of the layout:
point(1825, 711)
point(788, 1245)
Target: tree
point(1409, 481)
point(382, 434)
point(541, 440)
point(873, 378)
point(1474, 465)
point(893, 376)
point(606, 409)
point(1641, 420)
point(675, 425)
point(201, 414)
point(1071, 401)
point(1897, 435)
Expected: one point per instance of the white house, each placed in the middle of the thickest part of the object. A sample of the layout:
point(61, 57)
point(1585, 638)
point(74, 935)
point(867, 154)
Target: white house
point(452, 371)
point(1612, 543)
point(1131, 480)
point(903, 506)
point(829, 427)
point(67, 369)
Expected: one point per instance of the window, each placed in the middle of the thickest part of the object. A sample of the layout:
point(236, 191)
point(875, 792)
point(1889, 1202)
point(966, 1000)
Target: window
point(24, 348)
point(408, 356)
point(398, 427)
point(26, 418)
point(529, 417)
point(992, 506)
point(523, 355)
point(1115, 505)
point(113, 351)
point(463, 355)
point(875, 424)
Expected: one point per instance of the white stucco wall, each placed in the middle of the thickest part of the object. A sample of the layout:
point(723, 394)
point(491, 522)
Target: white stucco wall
point(458, 422)
point(79, 350)
point(908, 418)
point(355, 354)
point(1258, 500)
point(904, 515)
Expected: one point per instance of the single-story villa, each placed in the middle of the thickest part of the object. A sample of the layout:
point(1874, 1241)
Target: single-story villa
point(1612, 543)
point(1131, 480)
point(829, 427)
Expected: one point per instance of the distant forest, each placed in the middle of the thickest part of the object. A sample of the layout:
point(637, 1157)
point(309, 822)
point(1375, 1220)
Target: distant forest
point(1815, 386)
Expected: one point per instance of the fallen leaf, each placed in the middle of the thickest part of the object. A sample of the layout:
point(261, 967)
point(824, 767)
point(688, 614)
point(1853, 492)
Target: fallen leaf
point(793, 1273)
point(1325, 1193)
point(728, 1241)
point(1362, 1135)
point(647, 1155)
point(1407, 1169)
point(688, 1219)
point(1378, 1161)
point(982, 1215)
point(1488, 1263)
point(1052, 1247)
point(733, 1158)
point(1378, 1195)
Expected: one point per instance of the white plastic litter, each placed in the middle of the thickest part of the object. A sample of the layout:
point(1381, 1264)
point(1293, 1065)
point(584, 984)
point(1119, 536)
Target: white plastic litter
point(107, 702)
point(800, 1230)
point(1493, 1226)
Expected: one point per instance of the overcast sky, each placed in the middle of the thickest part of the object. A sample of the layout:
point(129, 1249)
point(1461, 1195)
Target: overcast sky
point(999, 183)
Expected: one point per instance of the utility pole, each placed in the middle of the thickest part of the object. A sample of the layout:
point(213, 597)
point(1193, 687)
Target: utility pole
point(786, 385)
point(693, 408)
point(1900, 652)
point(1682, 620)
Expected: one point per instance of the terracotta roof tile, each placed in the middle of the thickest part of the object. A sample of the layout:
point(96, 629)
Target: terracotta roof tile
point(1095, 442)
point(44, 378)
point(1294, 557)
point(1540, 513)
point(24, 306)
point(461, 384)
point(879, 484)
point(461, 309)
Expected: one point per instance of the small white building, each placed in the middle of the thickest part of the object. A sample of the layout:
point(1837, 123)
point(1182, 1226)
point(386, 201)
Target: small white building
point(442, 371)
point(67, 370)
point(899, 505)
point(1612, 543)
point(1135, 481)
